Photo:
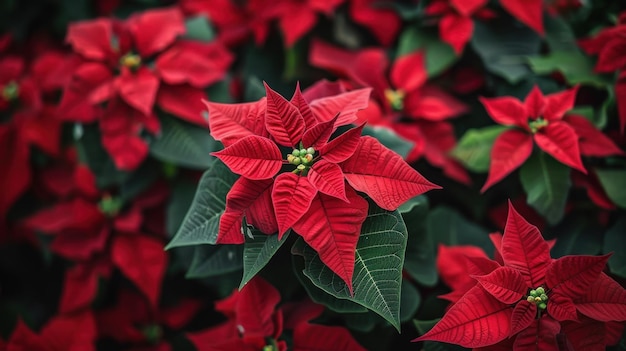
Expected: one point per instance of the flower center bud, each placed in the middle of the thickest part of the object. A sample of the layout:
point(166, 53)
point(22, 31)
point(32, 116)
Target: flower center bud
point(301, 158)
point(537, 124)
point(153, 333)
point(110, 205)
point(130, 60)
point(395, 98)
point(538, 297)
point(11, 91)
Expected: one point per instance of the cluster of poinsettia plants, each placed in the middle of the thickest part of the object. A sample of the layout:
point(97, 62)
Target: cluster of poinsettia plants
point(312, 175)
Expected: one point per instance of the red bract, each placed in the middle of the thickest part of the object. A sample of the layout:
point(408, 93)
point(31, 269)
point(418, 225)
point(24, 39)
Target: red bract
point(530, 297)
point(310, 194)
point(529, 12)
point(381, 20)
point(296, 18)
point(456, 26)
point(401, 100)
point(542, 119)
point(134, 64)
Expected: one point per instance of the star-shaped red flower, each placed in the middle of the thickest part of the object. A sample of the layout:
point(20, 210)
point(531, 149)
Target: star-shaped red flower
point(531, 297)
point(295, 176)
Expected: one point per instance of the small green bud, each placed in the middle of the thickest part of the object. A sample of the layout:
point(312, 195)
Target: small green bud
point(544, 297)
point(542, 306)
point(296, 161)
point(302, 152)
point(310, 151)
point(290, 158)
point(540, 290)
point(533, 293)
point(530, 299)
point(301, 167)
point(295, 152)
point(307, 158)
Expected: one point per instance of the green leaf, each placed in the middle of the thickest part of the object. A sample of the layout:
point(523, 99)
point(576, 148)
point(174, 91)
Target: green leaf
point(576, 235)
point(419, 260)
point(183, 192)
point(450, 228)
point(439, 55)
point(474, 148)
point(210, 260)
point(201, 223)
point(575, 66)
point(410, 301)
point(379, 258)
point(184, 144)
point(257, 252)
point(390, 139)
point(546, 183)
point(613, 240)
point(614, 182)
point(199, 28)
point(559, 34)
point(504, 46)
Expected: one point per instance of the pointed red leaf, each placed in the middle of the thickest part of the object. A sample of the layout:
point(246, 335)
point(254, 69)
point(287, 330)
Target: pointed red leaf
point(480, 265)
point(506, 110)
point(505, 284)
point(282, 119)
point(382, 21)
point(466, 321)
point(346, 105)
point(558, 103)
point(452, 266)
point(143, 261)
point(300, 102)
point(529, 12)
point(183, 101)
point(524, 314)
point(318, 135)
point(76, 215)
point(408, 72)
point(92, 39)
point(230, 231)
point(572, 276)
point(456, 30)
point(253, 197)
point(333, 229)
point(80, 287)
point(592, 142)
point(587, 334)
point(561, 308)
point(343, 146)
point(127, 150)
point(383, 175)
point(315, 337)
point(604, 301)
point(291, 196)
point(540, 335)
point(255, 308)
point(71, 332)
point(24, 339)
point(138, 89)
point(253, 157)
point(509, 151)
point(328, 178)
point(298, 21)
point(611, 56)
point(231, 122)
point(534, 103)
point(524, 249)
point(154, 30)
point(468, 7)
point(432, 104)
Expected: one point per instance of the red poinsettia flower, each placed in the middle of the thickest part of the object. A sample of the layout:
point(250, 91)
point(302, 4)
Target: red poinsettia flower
point(305, 187)
point(134, 64)
point(62, 333)
point(97, 232)
point(610, 46)
point(528, 297)
point(401, 100)
point(542, 119)
point(456, 25)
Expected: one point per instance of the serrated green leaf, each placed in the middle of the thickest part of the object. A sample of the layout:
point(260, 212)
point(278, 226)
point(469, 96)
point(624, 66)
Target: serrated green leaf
point(184, 144)
point(390, 139)
point(614, 182)
point(201, 223)
point(199, 28)
point(257, 252)
point(575, 66)
point(379, 258)
point(439, 55)
point(410, 301)
point(450, 228)
point(503, 47)
point(546, 183)
point(613, 240)
point(210, 260)
point(474, 148)
point(419, 261)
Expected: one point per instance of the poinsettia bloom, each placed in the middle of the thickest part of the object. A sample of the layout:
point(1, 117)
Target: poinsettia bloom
point(532, 298)
point(542, 119)
point(142, 62)
point(456, 25)
point(293, 176)
point(401, 100)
